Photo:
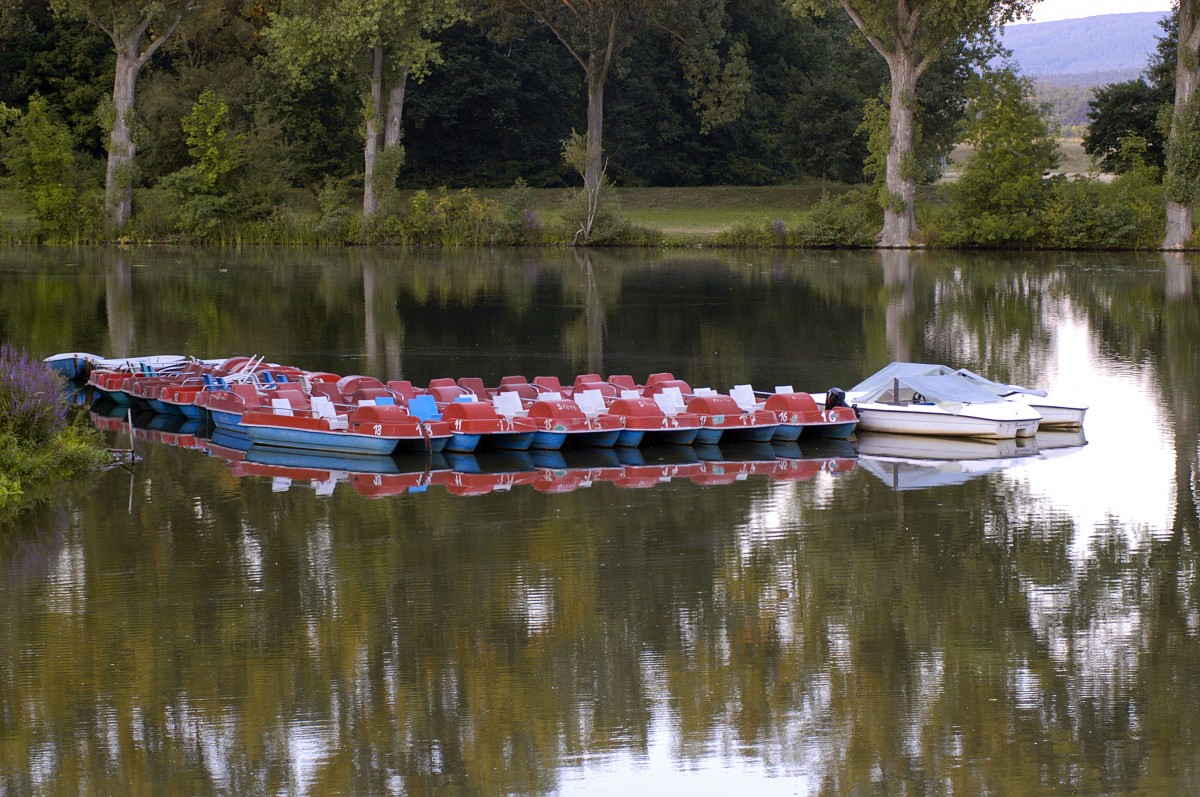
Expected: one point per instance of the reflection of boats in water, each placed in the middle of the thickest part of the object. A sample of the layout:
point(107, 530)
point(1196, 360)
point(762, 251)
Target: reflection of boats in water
point(905, 462)
point(496, 470)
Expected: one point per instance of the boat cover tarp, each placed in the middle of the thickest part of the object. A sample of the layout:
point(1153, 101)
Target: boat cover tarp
point(999, 388)
point(950, 392)
point(884, 376)
point(882, 380)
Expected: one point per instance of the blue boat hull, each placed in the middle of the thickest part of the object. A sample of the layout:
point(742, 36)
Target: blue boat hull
point(836, 431)
point(193, 411)
point(72, 368)
point(630, 437)
point(332, 442)
point(787, 433)
point(509, 441)
point(116, 397)
point(709, 436)
point(227, 420)
point(674, 437)
point(606, 439)
point(550, 441)
point(163, 408)
point(463, 443)
point(751, 434)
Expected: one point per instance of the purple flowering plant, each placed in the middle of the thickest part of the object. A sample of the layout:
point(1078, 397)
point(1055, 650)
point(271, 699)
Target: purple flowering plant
point(33, 404)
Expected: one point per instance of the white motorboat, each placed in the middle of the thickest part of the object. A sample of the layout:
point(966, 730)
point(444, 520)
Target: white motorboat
point(904, 398)
point(1056, 413)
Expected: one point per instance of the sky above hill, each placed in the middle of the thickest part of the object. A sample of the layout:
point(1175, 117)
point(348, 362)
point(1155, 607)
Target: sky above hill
point(1050, 10)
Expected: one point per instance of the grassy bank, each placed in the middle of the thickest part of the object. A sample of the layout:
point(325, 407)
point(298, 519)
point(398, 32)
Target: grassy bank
point(39, 446)
point(687, 214)
point(1075, 210)
point(699, 213)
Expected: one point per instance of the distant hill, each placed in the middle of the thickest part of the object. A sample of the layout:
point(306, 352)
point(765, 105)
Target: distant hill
point(1069, 58)
point(1108, 43)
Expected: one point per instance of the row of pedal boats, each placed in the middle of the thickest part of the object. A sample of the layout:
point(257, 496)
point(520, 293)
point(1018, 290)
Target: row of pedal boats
point(285, 406)
point(289, 407)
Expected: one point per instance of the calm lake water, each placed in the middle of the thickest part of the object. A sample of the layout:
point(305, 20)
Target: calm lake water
point(875, 618)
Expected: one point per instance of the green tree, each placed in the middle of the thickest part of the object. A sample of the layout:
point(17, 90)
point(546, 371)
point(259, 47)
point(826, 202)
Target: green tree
point(202, 200)
point(1131, 108)
point(37, 151)
point(1002, 185)
point(598, 32)
point(381, 42)
point(137, 28)
point(911, 35)
point(67, 63)
point(1182, 180)
point(1117, 112)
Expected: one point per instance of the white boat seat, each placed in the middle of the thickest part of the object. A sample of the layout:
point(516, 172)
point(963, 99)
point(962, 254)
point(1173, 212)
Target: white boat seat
point(630, 394)
point(507, 404)
point(704, 392)
point(744, 396)
point(550, 395)
point(591, 402)
point(281, 406)
point(670, 400)
point(784, 389)
point(323, 408)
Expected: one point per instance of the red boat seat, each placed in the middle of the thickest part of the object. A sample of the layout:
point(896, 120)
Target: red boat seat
point(519, 385)
point(550, 384)
point(445, 394)
point(714, 405)
point(662, 384)
point(327, 390)
point(402, 388)
point(248, 393)
point(348, 384)
point(607, 389)
point(441, 381)
point(622, 381)
point(475, 385)
point(369, 394)
point(654, 379)
point(294, 396)
point(588, 378)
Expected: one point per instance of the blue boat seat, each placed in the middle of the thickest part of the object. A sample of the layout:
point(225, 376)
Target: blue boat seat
point(424, 407)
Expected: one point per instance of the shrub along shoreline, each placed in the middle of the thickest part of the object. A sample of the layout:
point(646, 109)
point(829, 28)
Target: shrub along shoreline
point(39, 446)
point(1080, 213)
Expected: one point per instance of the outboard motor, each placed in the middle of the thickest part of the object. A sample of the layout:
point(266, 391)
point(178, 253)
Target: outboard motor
point(836, 397)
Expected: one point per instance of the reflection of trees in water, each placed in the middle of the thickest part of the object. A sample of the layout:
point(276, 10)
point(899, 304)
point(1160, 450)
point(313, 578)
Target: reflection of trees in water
point(30, 545)
point(234, 639)
point(237, 640)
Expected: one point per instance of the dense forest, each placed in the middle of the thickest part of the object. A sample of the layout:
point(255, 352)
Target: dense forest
point(487, 111)
point(254, 113)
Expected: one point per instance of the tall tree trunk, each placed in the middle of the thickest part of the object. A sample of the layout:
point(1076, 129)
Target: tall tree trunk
point(1187, 75)
point(394, 129)
point(899, 223)
point(118, 177)
point(593, 173)
point(371, 146)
